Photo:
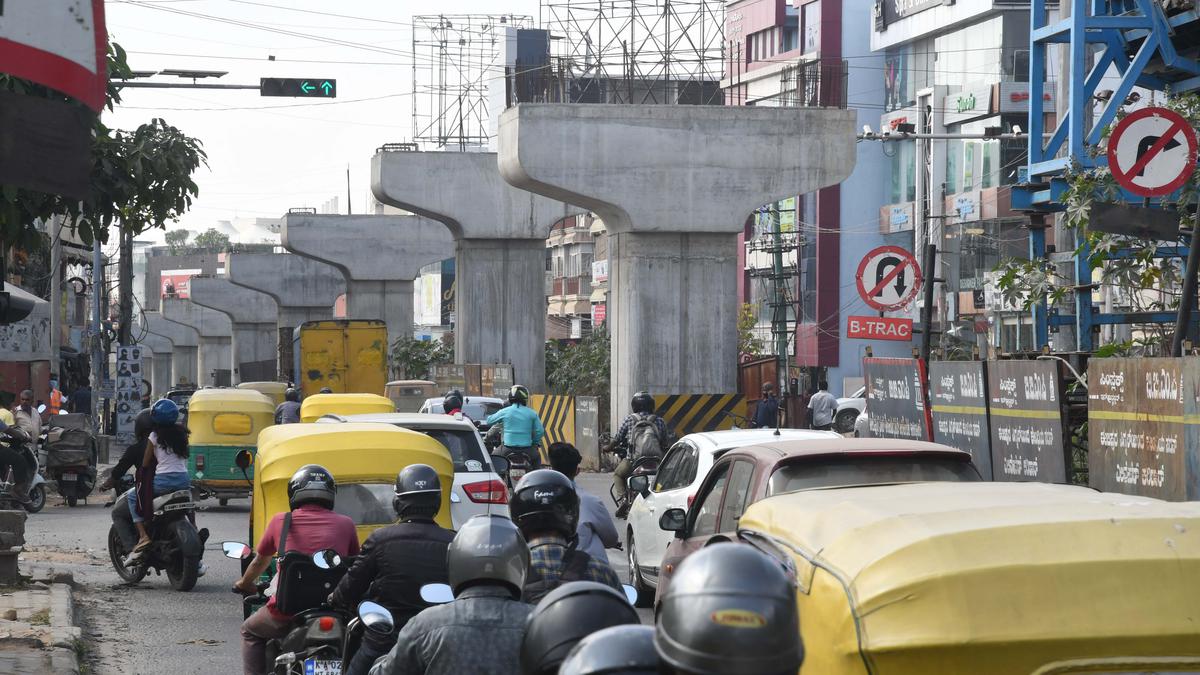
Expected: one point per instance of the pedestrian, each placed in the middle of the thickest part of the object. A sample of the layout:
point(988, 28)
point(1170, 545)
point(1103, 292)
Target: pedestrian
point(823, 405)
point(766, 413)
point(81, 400)
point(28, 418)
point(596, 530)
point(56, 399)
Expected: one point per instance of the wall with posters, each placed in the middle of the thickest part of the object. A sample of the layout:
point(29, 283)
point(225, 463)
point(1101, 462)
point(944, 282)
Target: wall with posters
point(1144, 427)
point(1025, 401)
point(895, 398)
point(959, 399)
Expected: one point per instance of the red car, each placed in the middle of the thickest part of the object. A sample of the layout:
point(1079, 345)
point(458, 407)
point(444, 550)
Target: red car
point(744, 476)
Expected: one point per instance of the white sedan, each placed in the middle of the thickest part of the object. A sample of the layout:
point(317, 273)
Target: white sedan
point(679, 476)
point(848, 410)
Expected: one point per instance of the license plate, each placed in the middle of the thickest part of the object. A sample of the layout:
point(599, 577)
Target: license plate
point(516, 474)
point(320, 667)
point(70, 476)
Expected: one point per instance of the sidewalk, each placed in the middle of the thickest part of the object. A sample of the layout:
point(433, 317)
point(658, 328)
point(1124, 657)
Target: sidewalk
point(38, 634)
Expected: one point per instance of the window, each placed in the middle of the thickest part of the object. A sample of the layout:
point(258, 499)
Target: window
point(665, 479)
point(683, 469)
point(463, 445)
point(812, 26)
point(366, 503)
point(232, 424)
point(790, 40)
point(737, 495)
point(879, 470)
point(706, 514)
point(904, 171)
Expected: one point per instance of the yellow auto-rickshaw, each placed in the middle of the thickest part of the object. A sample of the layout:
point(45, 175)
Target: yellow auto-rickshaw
point(223, 422)
point(272, 390)
point(317, 405)
point(410, 395)
point(986, 578)
point(364, 459)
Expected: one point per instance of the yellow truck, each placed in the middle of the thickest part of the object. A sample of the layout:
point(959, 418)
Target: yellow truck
point(348, 357)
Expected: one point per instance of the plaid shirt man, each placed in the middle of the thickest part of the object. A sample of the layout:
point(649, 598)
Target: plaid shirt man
point(546, 556)
point(631, 420)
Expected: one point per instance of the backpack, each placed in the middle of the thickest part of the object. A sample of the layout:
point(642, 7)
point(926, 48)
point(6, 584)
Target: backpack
point(645, 439)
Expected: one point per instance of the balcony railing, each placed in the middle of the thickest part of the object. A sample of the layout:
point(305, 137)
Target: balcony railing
point(815, 84)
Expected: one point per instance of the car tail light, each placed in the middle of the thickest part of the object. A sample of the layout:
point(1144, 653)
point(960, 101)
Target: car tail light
point(691, 498)
point(487, 492)
point(326, 624)
point(199, 462)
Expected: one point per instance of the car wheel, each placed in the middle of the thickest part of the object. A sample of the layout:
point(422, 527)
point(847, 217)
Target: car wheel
point(844, 422)
point(645, 593)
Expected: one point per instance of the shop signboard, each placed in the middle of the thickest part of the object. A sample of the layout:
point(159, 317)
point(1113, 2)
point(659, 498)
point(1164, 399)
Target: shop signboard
point(448, 286)
point(1014, 97)
point(177, 283)
point(599, 313)
point(966, 206)
point(1144, 427)
point(128, 390)
point(895, 398)
point(888, 12)
point(959, 399)
point(1025, 403)
point(967, 105)
point(896, 218)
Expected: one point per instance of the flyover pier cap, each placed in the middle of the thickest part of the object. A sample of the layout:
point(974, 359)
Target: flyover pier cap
point(185, 343)
point(674, 186)
point(254, 317)
point(215, 331)
point(159, 360)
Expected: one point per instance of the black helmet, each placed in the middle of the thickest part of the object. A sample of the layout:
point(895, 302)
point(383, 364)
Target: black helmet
point(291, 394)
point(143, 424)
point(731, 609)
point(642, 402)
point(325, 390)
point(311, 484)
point(418, 492)
point(565, 616)
point(518, 394)
point(488, 549)
point(545, 500)
point(620, 650)
point(453, 400)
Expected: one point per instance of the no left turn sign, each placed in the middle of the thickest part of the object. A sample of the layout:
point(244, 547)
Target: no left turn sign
point(1152, 152)
point(888, 278)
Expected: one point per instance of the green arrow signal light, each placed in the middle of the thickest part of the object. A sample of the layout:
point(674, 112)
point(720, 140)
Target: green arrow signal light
point(327, 87)
point(306, 87)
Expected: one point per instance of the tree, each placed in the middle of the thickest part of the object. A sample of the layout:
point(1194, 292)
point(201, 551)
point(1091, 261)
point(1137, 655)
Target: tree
point(177, 241)
point(1131, 266)
point(139, 179)
point(582, 368)
point(413, 359)
point(212, 239)
point(748, 342)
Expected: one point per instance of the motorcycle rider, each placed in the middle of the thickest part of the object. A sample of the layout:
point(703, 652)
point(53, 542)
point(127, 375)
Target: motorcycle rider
point(480, 632)
point(288, 412)
point(623, 650)
point(642, 434)
point(311, 526)
point(523, 429)
point(10, 456)
point(565, 616)
point(396, 561)
point(132, 457)
point(730, 609)
point(596, 530)
point(166, 452)
point(546, 508)
point(452, 403)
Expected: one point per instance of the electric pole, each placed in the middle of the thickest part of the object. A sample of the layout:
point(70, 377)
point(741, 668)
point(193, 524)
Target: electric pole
point(125, 290)
point(56, 305)
point(99, 354)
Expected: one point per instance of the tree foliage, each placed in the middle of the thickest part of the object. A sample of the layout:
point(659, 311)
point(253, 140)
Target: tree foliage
point(177, 241)
point(581, 368)
point(1131, 265)
point(211, 239)
point(414, 359)
point(140, 179)
point(748, 342)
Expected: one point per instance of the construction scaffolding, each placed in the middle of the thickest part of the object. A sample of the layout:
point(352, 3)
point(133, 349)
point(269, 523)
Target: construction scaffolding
point(639, 51)
point(454, 56)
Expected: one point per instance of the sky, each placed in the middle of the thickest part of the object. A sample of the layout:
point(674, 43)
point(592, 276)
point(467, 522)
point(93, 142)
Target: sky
point(266, 155)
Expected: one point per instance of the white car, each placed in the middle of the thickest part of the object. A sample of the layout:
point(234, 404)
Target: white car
point(477, 488)
point(679, 476)
point(848, 410)
point(476, 408)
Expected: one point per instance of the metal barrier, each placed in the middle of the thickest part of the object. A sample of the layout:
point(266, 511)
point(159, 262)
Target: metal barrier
point(692, 413)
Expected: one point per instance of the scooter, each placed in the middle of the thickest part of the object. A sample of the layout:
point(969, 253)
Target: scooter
point(18, 441)
point(70, 456)
point(176, 547)
point(320, 641)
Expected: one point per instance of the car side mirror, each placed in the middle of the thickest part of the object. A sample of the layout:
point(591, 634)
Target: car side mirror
point(673, 520)
point(243, 459)
point(236, 550)
point(500, 464)
point(640, 484)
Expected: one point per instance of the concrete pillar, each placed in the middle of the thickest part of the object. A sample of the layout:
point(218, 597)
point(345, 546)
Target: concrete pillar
point(501, 232)
point(674, 185)
point(157, 362)
point(215, 356)
point(254, 317)
point(303, 289)
point(185, 343)
point(379, 257)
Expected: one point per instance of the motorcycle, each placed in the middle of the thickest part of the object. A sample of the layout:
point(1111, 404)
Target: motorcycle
point(646, 467)
point(70, 456)
point(320, 641)
point(176, 545)
point(18, 441)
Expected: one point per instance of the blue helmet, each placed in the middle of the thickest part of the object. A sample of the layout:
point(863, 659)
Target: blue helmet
point(164, 411)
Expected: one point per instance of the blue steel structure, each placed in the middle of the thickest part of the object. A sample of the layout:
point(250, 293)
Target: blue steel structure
point(1149, 49)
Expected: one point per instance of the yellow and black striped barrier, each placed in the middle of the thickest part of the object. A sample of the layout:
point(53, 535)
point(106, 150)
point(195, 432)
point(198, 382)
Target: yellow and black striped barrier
point(558, 417)
point(692, 413)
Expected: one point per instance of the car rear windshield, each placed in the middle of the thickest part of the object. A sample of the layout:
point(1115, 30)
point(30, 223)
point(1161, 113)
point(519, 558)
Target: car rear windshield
point(463, 445)
point(827, 472)
point(366, 503)
point(476, 411)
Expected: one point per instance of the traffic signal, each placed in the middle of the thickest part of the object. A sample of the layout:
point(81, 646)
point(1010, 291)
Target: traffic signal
point(13, 307)
point(295, 87)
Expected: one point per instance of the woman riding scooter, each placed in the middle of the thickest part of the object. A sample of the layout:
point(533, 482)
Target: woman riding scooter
point(165, 459)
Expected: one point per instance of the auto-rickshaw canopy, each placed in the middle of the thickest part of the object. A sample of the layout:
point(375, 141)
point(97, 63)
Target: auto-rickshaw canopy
point(984, 578)
point(228, 416)
point(364, 459)
point(272, 390)
point(409, 395)
point(318, 405)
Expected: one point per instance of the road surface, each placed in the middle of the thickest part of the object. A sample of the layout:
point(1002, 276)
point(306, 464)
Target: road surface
point(149, 629)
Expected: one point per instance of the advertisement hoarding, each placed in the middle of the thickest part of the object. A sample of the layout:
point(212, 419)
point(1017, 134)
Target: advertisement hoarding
point(895, 398)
